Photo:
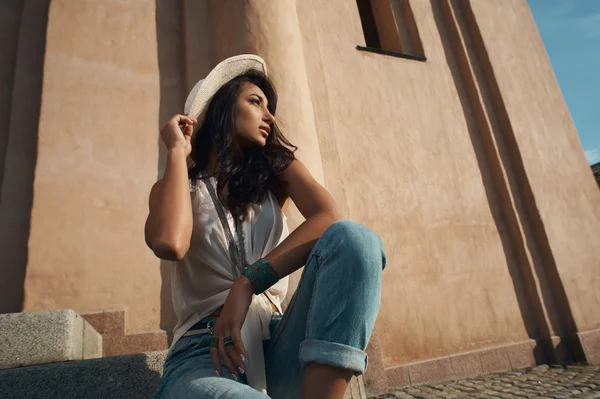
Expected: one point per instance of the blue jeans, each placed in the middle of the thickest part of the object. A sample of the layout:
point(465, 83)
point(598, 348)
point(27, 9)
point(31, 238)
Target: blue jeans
point(328, 321)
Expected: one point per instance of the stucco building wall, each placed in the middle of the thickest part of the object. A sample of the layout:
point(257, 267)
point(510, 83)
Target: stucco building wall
point(551, 154)
point(410, 172)
point(104, 89)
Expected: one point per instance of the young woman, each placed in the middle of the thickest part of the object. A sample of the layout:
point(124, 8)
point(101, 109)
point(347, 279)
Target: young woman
point(217, 213)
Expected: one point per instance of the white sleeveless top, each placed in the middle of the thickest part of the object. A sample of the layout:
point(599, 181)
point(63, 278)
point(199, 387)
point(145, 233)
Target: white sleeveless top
point(202, 279)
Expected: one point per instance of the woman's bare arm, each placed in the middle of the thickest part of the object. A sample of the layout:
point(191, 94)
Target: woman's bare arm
point(169, 225)
point(320, 211)
point(318, 208)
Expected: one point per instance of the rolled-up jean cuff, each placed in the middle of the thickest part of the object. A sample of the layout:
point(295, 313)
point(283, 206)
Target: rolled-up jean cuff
point(333, 354)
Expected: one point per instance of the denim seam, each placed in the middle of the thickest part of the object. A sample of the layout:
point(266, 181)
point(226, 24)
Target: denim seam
point(331, 251)
point(283, 322)
point(285, 317)
point(317, 257)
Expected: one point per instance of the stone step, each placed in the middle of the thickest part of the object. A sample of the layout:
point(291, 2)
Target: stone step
point(127, 376)
point(33, 338)
point(57, 354)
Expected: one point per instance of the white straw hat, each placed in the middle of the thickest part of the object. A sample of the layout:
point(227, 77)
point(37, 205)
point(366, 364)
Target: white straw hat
point(201, 94)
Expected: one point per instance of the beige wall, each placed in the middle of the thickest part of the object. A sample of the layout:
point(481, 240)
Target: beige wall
point(468, 165)
point(551, 153)
point(410, 172)
point(10, 17)
point(98, 158)
point(23, 23)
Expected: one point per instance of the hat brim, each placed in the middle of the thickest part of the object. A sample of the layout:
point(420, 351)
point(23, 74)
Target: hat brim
point(202, 93)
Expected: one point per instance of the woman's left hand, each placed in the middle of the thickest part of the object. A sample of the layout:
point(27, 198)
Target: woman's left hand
point(229, 324)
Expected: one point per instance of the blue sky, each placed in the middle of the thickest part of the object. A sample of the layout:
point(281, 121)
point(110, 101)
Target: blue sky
point(570, 30)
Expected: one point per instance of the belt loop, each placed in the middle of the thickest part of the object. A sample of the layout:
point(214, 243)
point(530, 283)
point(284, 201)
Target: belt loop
point(209, 326)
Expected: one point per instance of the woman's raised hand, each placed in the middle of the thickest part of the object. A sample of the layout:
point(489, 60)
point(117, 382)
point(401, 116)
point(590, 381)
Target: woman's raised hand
point(178, 132)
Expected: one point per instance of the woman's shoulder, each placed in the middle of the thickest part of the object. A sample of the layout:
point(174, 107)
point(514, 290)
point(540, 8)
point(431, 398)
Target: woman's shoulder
point(296, 171)
point(290, 175)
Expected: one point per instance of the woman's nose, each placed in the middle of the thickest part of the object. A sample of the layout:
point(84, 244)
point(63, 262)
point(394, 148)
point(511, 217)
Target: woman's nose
point(268, 117)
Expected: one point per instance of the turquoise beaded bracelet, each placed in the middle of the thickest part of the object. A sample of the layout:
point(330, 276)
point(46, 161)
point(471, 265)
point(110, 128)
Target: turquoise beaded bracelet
point(261, 275)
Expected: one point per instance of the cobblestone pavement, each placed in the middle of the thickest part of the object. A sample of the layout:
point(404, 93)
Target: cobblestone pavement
point(541, 382)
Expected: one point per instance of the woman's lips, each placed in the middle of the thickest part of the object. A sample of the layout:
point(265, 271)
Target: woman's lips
point(265, 129)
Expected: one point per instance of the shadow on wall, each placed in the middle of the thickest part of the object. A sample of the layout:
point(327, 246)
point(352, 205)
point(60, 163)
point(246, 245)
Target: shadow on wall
point(171, 65)
point(21, 73)
point(458, 66)
point(485, 135)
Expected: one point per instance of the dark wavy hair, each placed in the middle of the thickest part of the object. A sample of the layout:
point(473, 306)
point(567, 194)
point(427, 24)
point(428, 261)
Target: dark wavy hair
point(248, 173)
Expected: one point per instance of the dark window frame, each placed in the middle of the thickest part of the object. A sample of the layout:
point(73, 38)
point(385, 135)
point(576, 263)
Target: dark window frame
point(391, 53)
point(372, 37)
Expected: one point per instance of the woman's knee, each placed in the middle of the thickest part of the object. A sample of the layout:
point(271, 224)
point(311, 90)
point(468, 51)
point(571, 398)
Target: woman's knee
point(357, 242)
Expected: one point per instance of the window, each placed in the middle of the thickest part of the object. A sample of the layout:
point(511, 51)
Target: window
point(390, 28)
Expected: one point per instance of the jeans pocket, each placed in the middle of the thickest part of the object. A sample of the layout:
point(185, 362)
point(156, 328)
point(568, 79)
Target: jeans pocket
point(179, 347)
point(188, 344)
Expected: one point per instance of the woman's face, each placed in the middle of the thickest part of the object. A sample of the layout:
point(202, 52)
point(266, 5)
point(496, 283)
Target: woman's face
point(252, 118)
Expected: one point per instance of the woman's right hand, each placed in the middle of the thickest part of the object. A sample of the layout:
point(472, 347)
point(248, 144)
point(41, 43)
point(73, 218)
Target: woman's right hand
point(178, 132)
